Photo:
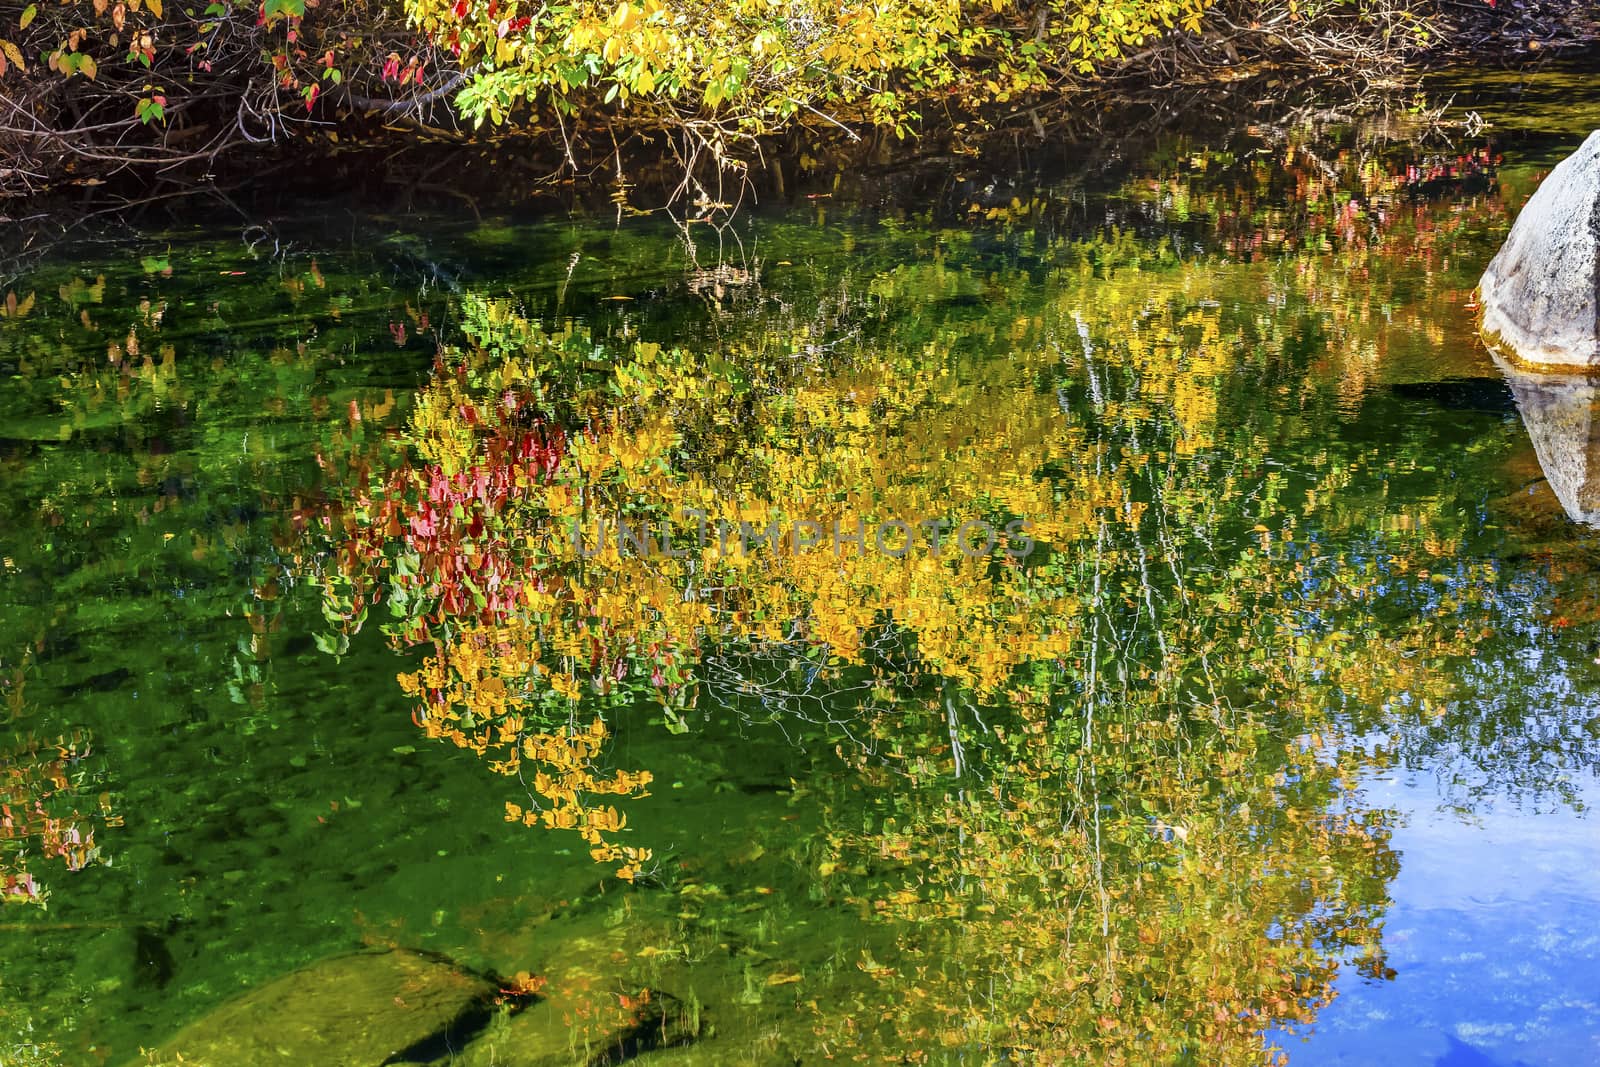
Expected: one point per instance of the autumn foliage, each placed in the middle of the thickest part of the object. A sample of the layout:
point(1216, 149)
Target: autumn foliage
point(99, 87)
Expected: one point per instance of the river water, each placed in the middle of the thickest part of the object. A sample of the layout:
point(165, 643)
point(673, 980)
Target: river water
point(1270, 728)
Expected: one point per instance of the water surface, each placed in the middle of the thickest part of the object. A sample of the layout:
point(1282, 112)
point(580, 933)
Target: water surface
point(1280, 734)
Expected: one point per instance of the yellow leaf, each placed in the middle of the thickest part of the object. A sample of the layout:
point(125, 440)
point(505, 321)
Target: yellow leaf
point(154, 7)
point(87, 68)
point(27, 16)
point(14, 54)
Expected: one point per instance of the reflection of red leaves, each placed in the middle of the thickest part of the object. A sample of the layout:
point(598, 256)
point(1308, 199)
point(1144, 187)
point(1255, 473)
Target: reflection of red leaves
point(424, 525)
point(19, 887)
point(451, 523)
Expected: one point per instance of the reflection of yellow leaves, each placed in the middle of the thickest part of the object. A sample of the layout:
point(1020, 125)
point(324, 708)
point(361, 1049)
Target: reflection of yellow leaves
point(885, 432)
point(784, 978)
point(16, 309)
point(565, 686)
point(702, 891)
point(872, 967)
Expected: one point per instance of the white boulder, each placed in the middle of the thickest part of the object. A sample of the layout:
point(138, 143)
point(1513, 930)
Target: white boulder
point(1541, 293)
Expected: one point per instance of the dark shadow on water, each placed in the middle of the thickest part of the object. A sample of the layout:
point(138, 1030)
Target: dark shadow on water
point(1461, 394)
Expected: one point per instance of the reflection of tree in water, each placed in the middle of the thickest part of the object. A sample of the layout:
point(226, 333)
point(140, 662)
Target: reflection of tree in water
point(1155, 847)
point(1519, 720)
point(1508, 598)
point(48, 806)
point(1114, 787)
point(41, 820)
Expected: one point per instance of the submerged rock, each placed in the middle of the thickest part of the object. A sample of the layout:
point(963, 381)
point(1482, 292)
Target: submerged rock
point(1541, 293)
point(364, 1009)
point(593, 1030)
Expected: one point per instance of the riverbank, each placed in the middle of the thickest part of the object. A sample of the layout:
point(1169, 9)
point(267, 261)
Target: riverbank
point(80, 137)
